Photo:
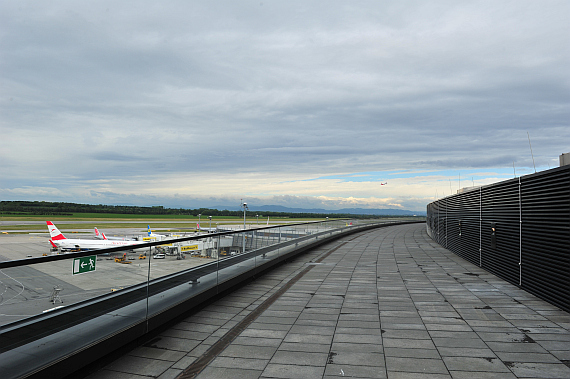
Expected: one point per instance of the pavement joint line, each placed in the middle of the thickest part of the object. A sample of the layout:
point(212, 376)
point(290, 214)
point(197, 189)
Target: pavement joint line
point(202, 362)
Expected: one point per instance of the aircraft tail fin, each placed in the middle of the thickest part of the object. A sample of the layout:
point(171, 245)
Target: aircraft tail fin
point(149, 231)
point(54, 232)
point(53, 244)
point(97, 234)
point(197, 226)
point(103, 235)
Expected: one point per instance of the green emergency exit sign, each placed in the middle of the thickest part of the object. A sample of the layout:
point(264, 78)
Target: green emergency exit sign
point(84, 264)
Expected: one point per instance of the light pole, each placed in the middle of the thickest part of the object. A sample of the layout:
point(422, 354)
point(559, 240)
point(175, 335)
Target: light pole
point(210, 217)
point(244, 206)
point(257, 216)
point(199, 214)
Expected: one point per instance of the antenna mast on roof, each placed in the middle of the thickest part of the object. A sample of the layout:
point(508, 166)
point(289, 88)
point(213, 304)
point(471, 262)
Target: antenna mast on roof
point(531, 152)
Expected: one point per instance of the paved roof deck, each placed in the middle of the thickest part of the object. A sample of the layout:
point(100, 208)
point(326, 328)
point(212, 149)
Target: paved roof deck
point(387, 303)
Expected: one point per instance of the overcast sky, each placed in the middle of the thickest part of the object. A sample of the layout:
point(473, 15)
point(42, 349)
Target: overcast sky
point(296, 103)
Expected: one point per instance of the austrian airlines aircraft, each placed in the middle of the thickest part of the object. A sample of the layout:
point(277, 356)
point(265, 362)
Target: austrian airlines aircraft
point(59, 240)
point(101, 236)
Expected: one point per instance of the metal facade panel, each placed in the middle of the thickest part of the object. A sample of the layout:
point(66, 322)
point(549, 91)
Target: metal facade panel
point(518, 229)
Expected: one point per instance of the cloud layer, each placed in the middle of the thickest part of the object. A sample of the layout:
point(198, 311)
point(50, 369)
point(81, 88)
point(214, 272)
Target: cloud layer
point(188, 104)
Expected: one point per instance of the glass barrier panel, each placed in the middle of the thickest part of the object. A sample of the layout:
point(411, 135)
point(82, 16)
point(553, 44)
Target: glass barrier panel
point(34, 289)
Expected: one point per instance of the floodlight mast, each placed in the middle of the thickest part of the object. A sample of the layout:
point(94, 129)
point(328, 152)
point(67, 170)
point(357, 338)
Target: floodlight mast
point(244, 206)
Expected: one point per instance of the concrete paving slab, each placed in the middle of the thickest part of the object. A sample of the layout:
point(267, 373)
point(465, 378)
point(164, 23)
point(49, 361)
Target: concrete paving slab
point(224, 372)
point(539, 370)
point(360, 331)
point(321, 323)
point(107, 374)
point(465, 352)
point(240, 363)
point(416, 375)
point(304, 338)
point(475, 364)
point(482, 375)
point(266, 324)
point(415, 365)
point(185, 361)
point(356, 358)
point(171, 373)
point(300, 358)
point(355, 338)
point(243, 351)
point(253, 341)
point(452, 334)
point(196, 327)
point(456, 342)
point(170, 343)
point(412, 353)
point(159, 354)
point(406, 333)
point(264, 333)
point(186, 334)
point(527, 357)
point(516, 347)
point(354, 371)
point(407, 343)
point(305, 347)
point(139, 366)
point(292, 371)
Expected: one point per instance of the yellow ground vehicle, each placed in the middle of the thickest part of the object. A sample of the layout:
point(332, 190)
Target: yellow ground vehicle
point(142, 256)
point(122, 259)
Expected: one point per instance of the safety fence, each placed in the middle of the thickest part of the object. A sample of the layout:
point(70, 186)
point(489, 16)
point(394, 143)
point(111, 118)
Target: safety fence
point(107, 298)
point(517, 229)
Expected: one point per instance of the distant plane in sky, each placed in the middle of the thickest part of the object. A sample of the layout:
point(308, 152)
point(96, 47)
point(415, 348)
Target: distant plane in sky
point(60, 241)
point(383, 184)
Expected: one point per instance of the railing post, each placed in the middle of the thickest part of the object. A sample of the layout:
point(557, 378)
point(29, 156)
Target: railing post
point(148, 286)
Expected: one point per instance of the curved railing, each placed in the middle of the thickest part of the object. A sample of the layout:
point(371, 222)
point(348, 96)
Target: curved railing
point(92, 313)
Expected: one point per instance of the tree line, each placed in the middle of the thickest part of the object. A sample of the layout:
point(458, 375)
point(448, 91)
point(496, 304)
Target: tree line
point(46, 208)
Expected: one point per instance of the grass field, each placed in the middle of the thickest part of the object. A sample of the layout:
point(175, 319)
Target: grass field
point(120, 221)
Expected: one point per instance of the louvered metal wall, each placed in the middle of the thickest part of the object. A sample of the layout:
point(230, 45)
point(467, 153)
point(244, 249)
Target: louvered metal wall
point(518, 229)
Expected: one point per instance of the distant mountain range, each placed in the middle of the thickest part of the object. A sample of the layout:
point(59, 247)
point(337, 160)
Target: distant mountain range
point(354, 211)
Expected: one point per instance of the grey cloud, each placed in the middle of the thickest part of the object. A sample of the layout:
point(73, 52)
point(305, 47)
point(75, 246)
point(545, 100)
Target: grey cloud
point(108, 89)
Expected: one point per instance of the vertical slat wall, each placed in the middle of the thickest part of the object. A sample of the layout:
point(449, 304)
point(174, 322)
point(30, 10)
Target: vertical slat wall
point(530, 243)
point(545, 235)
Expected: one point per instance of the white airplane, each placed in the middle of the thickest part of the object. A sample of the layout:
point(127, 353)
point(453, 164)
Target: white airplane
point(60, 241)
point(153, 236)
point(101, 236)
point(208, 230)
